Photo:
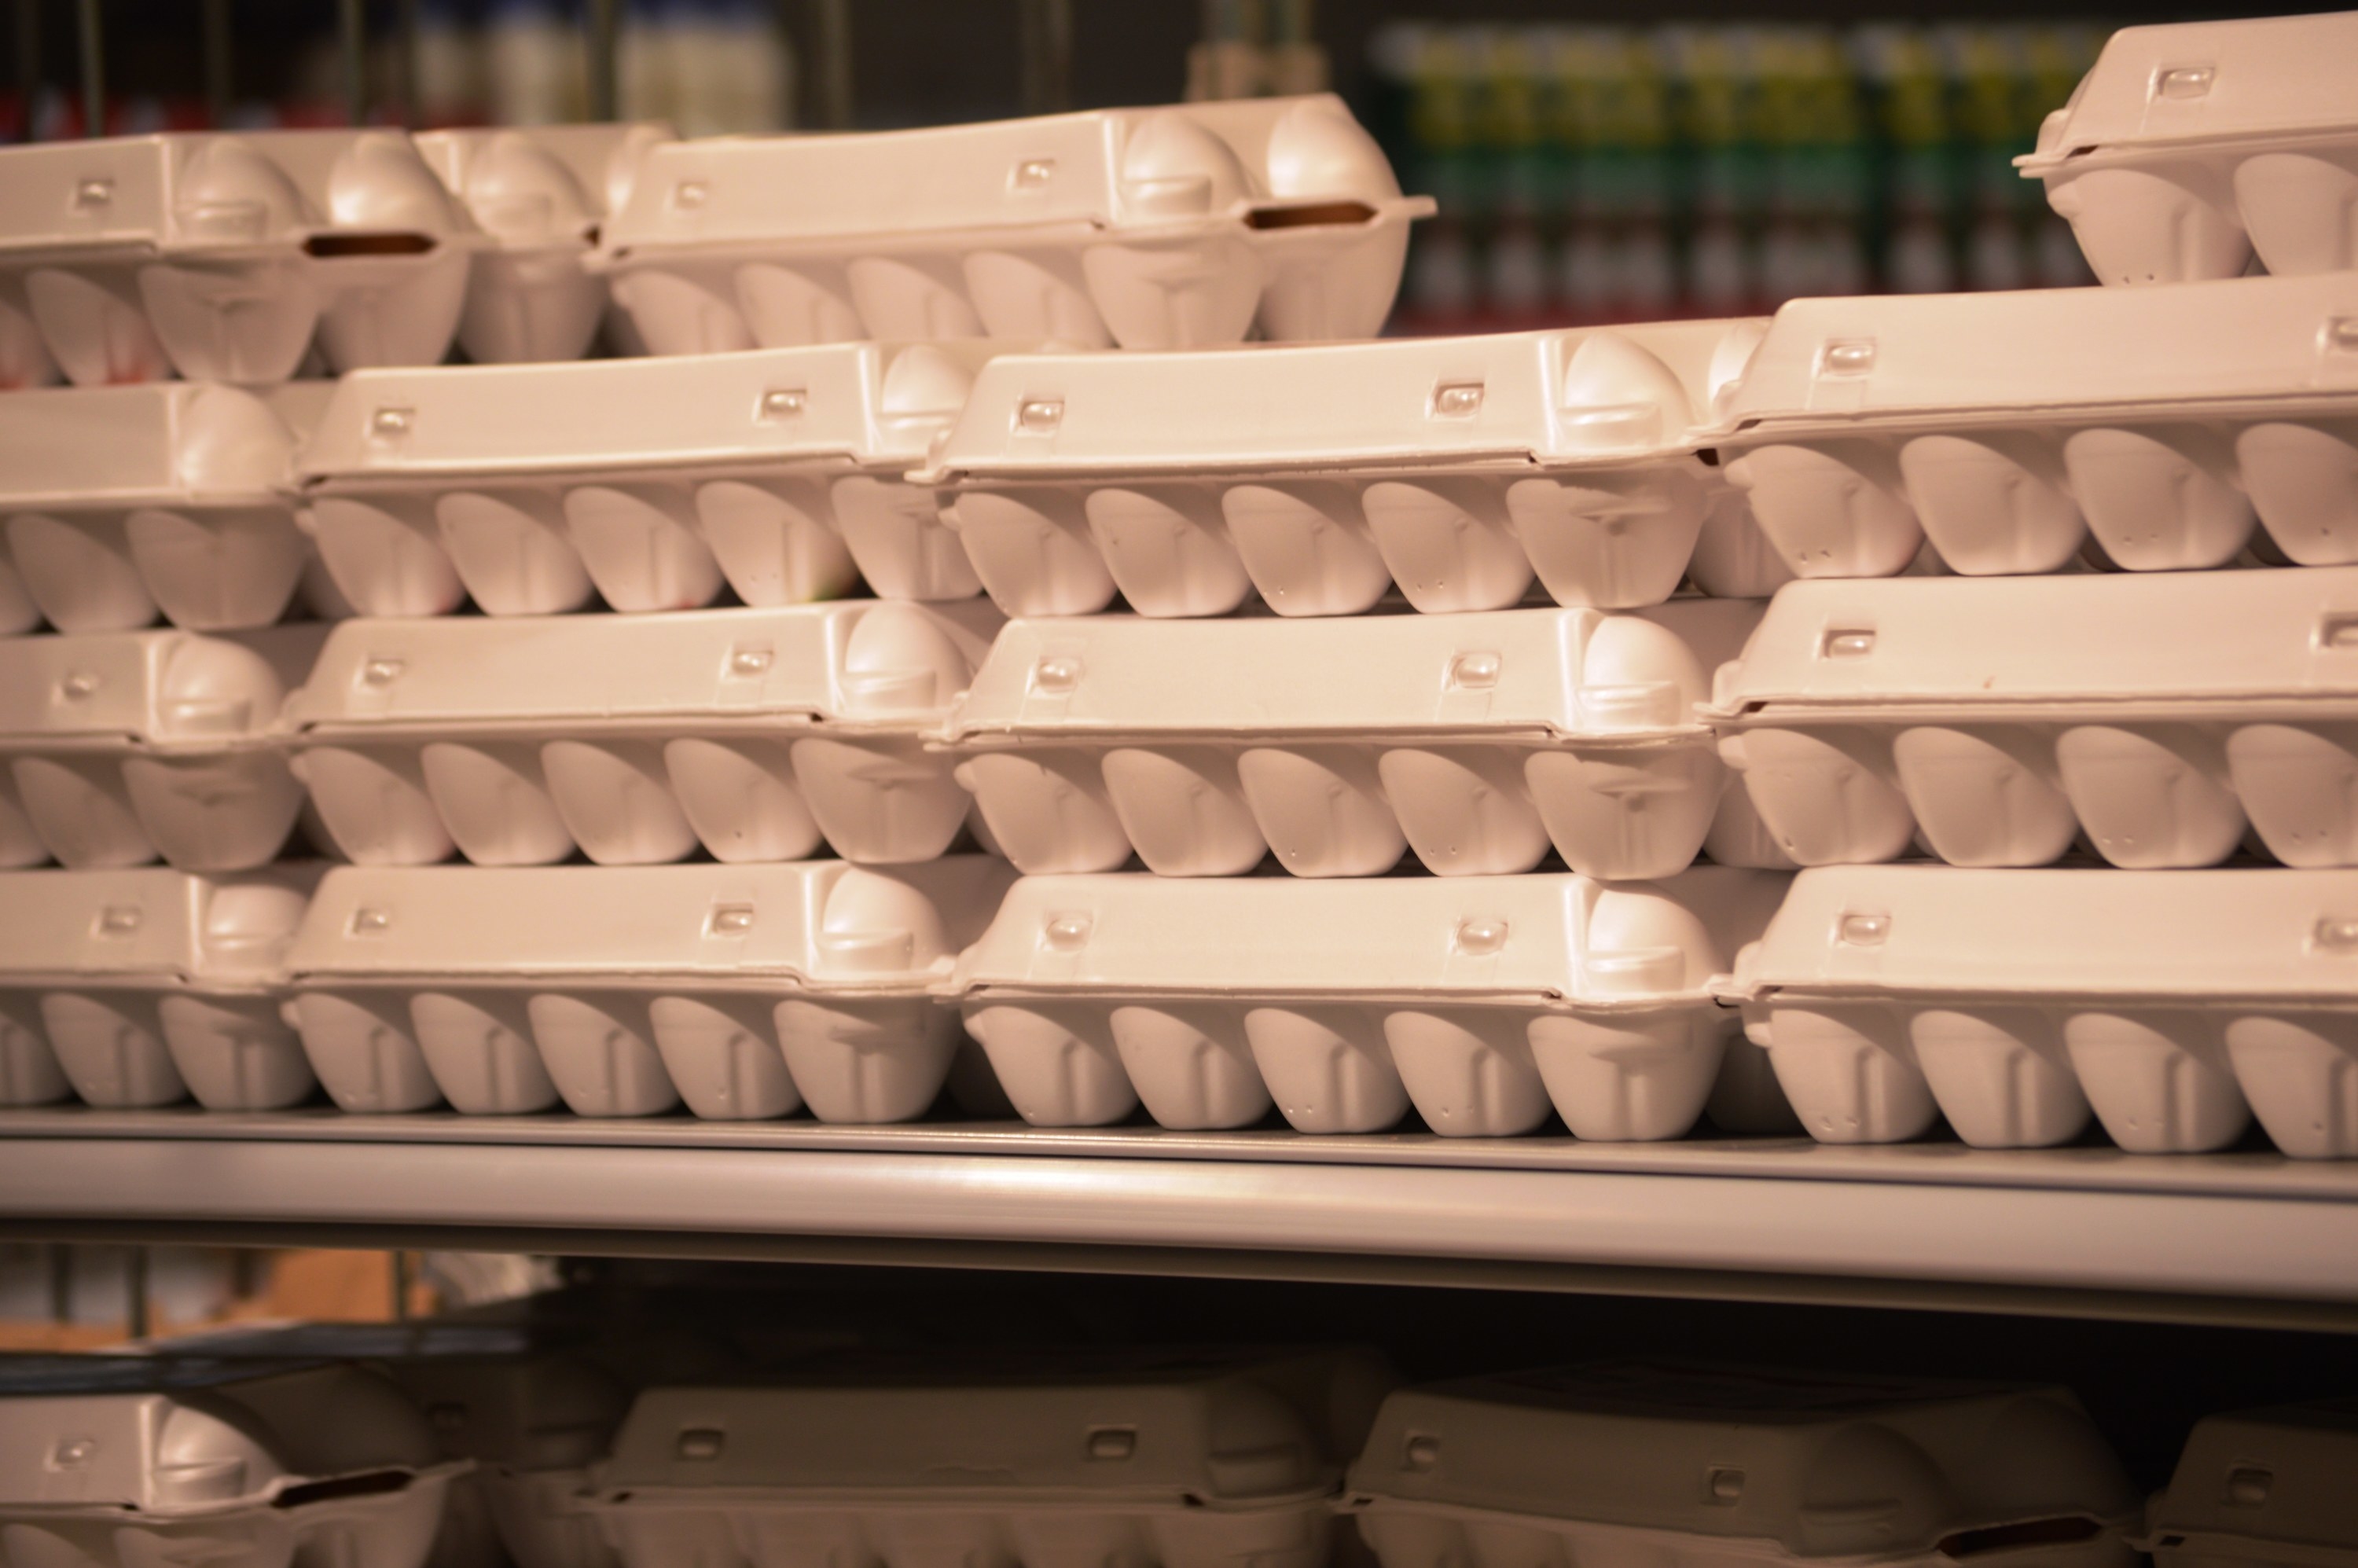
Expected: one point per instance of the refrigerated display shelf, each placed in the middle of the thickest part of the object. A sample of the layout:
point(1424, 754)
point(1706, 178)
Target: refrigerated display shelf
point(2243, 1236)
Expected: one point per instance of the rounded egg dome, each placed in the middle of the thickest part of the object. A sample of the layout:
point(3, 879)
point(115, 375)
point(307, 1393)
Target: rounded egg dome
point(899, 659)
point(1173, 167)
point(229, 192)
point(922, 381)
point(877, 922)
point(1318, 149)
point(233, 441)
point(517, 192)
point(381, 184)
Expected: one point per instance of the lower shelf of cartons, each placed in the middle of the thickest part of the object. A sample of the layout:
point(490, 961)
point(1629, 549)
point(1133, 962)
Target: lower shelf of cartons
point(2243, 1236)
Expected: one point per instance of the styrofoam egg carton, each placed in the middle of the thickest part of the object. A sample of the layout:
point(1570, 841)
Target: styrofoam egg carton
point(2261, 1488)
point(2166, 719)
point(1176, 227)
point(1191, 1463)
point(122, 747)
point(1478, 741)
point(528, 1419)
point(122, 501)
point(1456, 467)
point(651, 483)
point(222, 255)
point(141, 986)
point(540, 194)
point(753, 733)
point(2191, 144)
point(2177, 1004)
point(746, 991)
point(121, 1462)
point(1481, 1001)
point(1728, 1467)
point(2012, 429)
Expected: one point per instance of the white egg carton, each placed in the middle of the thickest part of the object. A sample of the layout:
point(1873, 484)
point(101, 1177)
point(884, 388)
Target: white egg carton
point(1483, 1001)
point(2191, 144)
point(1188, 1462)
point(223, 256)
point(745, 991)
point(144, 986)
point(529, 1420)
point(122, 747)
point(119, 1462)
point(540, 194)
point(650, 482)
point(2165, 720)
point(1723, 1467)
point(1177, 227)
point(2176, 1004)
point(2261, 1486)
point(1479, 740)
point(119, 502)
point(752, 733)
point(2012, 429)
point(1455, 467)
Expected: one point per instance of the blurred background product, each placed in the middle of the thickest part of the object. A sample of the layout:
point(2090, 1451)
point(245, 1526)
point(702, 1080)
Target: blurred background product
point(1617, 173)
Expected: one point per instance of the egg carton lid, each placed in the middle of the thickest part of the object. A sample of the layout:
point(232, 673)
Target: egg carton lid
point(504, 174)
point(821, 925)
point(1542, 672)
point(2183, 83)
point(1553, 940)
point(2264, 1485)
point(875, 404)
point(2271, 934)
point(151, 926)
point(1515, 400)
point(1065, 177)
point(2180, 638)
point(1162, 1432)
point(850, 663)
point(215, 191)
point(177, 1437)
point(1703, 1451)
point(495, 1393)
point(164, 443)
point(164, 690)
point(2033, 354)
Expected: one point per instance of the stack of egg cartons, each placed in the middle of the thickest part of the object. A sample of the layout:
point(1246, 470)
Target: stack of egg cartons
point(1398, 701)
point(233, 262)
point(2180, 692)
point(818, 307)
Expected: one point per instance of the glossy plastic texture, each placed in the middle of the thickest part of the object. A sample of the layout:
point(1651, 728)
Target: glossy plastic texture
point(650, 485)
point(2166, 721)
point(1483, 1001)
point(1480, 741)
point(754, 734)
point(123, 1461)
point(1458, 469)
point(2192, 147)
point(226, 256)
point(2174, 1005)
point(1723, 1468)
point(1176, 227)
point(120, 748)
point(744, 992)
point(118, 502)
point(539, 193)
point(2014, 431)
point(146, 986)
